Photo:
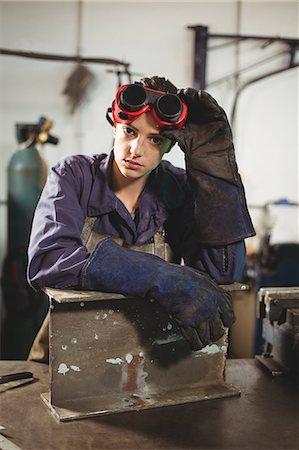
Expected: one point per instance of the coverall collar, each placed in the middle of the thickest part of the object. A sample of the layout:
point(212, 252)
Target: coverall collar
point(103, 200)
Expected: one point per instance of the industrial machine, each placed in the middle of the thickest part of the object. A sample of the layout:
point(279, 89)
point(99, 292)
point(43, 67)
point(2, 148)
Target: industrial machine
point(279, 309)
point(24, 309)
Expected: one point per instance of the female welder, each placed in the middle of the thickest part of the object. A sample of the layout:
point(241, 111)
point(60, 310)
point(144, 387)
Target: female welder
point(129, 197)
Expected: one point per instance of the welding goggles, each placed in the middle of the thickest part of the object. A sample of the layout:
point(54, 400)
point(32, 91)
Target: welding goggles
point(132, 100)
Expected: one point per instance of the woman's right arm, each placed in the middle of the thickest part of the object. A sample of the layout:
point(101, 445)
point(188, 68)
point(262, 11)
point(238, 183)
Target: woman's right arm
point(56, 254)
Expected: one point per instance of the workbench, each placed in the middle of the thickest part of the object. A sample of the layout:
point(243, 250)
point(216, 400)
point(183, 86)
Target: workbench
point(265, 416)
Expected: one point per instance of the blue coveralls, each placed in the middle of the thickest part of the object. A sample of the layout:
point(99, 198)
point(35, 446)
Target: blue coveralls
point(80, 186)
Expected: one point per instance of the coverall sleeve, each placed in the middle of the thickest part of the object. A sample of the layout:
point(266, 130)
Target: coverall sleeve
point(56, 254)
point(224, 263)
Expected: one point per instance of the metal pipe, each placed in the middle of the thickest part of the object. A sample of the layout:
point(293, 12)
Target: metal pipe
point(200, 57)
point(292, 41)
point(52, 57)
point(245, 69)
point(255, 80)
point(237, 46)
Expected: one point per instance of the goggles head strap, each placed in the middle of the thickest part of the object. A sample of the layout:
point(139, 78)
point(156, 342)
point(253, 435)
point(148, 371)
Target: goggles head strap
point(109, 111)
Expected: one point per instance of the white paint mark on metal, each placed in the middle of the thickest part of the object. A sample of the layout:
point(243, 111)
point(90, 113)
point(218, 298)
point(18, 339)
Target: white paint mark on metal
point(75, 368)
point(115, 322)
point(170, 338)
point(169, 326)
point(64, 347)
point(114, 360)
point(141, 353)
point(82, 304)
point(111, 311)
point(74, 341)
point(97, 316)
point(96, 337)
point(129, 358)
point(105, 316)
point(63, 368)
point(212, 349)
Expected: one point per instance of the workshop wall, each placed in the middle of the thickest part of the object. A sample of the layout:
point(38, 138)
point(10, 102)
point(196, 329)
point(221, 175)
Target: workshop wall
point(153, 37)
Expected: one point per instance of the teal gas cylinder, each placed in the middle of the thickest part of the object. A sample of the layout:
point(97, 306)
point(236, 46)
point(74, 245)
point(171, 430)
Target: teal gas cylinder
point(24, 188)
point(24, 309)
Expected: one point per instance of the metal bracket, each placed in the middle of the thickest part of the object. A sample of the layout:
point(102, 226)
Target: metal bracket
point(110, 354)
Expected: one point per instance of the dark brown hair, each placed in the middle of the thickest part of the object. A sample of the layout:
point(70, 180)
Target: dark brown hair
point(159, 84)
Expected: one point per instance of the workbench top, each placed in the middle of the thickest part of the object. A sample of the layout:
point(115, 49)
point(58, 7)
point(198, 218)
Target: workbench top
point(265, 416)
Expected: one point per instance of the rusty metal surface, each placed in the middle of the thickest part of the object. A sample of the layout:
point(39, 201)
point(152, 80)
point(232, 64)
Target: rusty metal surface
point(68, 296)
point(280, 291)
point(264, 417)
point(86, 408)
point(280, 312)
point(117, 355)
point(275, 307)
point(271, 365)
point(64, 296)
point(276, 299)
point(292, 317)
point(110, 353)
point(280, 304)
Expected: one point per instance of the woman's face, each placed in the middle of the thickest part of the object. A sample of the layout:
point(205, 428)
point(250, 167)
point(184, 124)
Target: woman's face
point(138, 147)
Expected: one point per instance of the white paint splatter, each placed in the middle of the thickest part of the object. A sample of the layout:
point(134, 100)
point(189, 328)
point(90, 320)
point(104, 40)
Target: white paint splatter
point(75, 368)
point(169, 326)
point(74, 341)
point(82, 304)
point(63, 368)
point(224, 349)
point(170, 338)
point(96, 337)
point(105, 316)
point(111, 311)
point(129, 358)
point(115, 322)
point(64, 347)
point(97, 316)
point(114, 360)
point(141, 354)
point(212, 349)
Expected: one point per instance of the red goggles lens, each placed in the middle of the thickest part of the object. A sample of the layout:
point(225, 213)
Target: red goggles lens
point(132, 100)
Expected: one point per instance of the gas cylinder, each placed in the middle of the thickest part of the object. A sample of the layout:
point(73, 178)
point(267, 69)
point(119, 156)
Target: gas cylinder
point(24, 309)
point(24, 188)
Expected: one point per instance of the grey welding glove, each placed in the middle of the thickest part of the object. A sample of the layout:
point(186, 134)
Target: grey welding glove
point(189, 296)
point(220, 206)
